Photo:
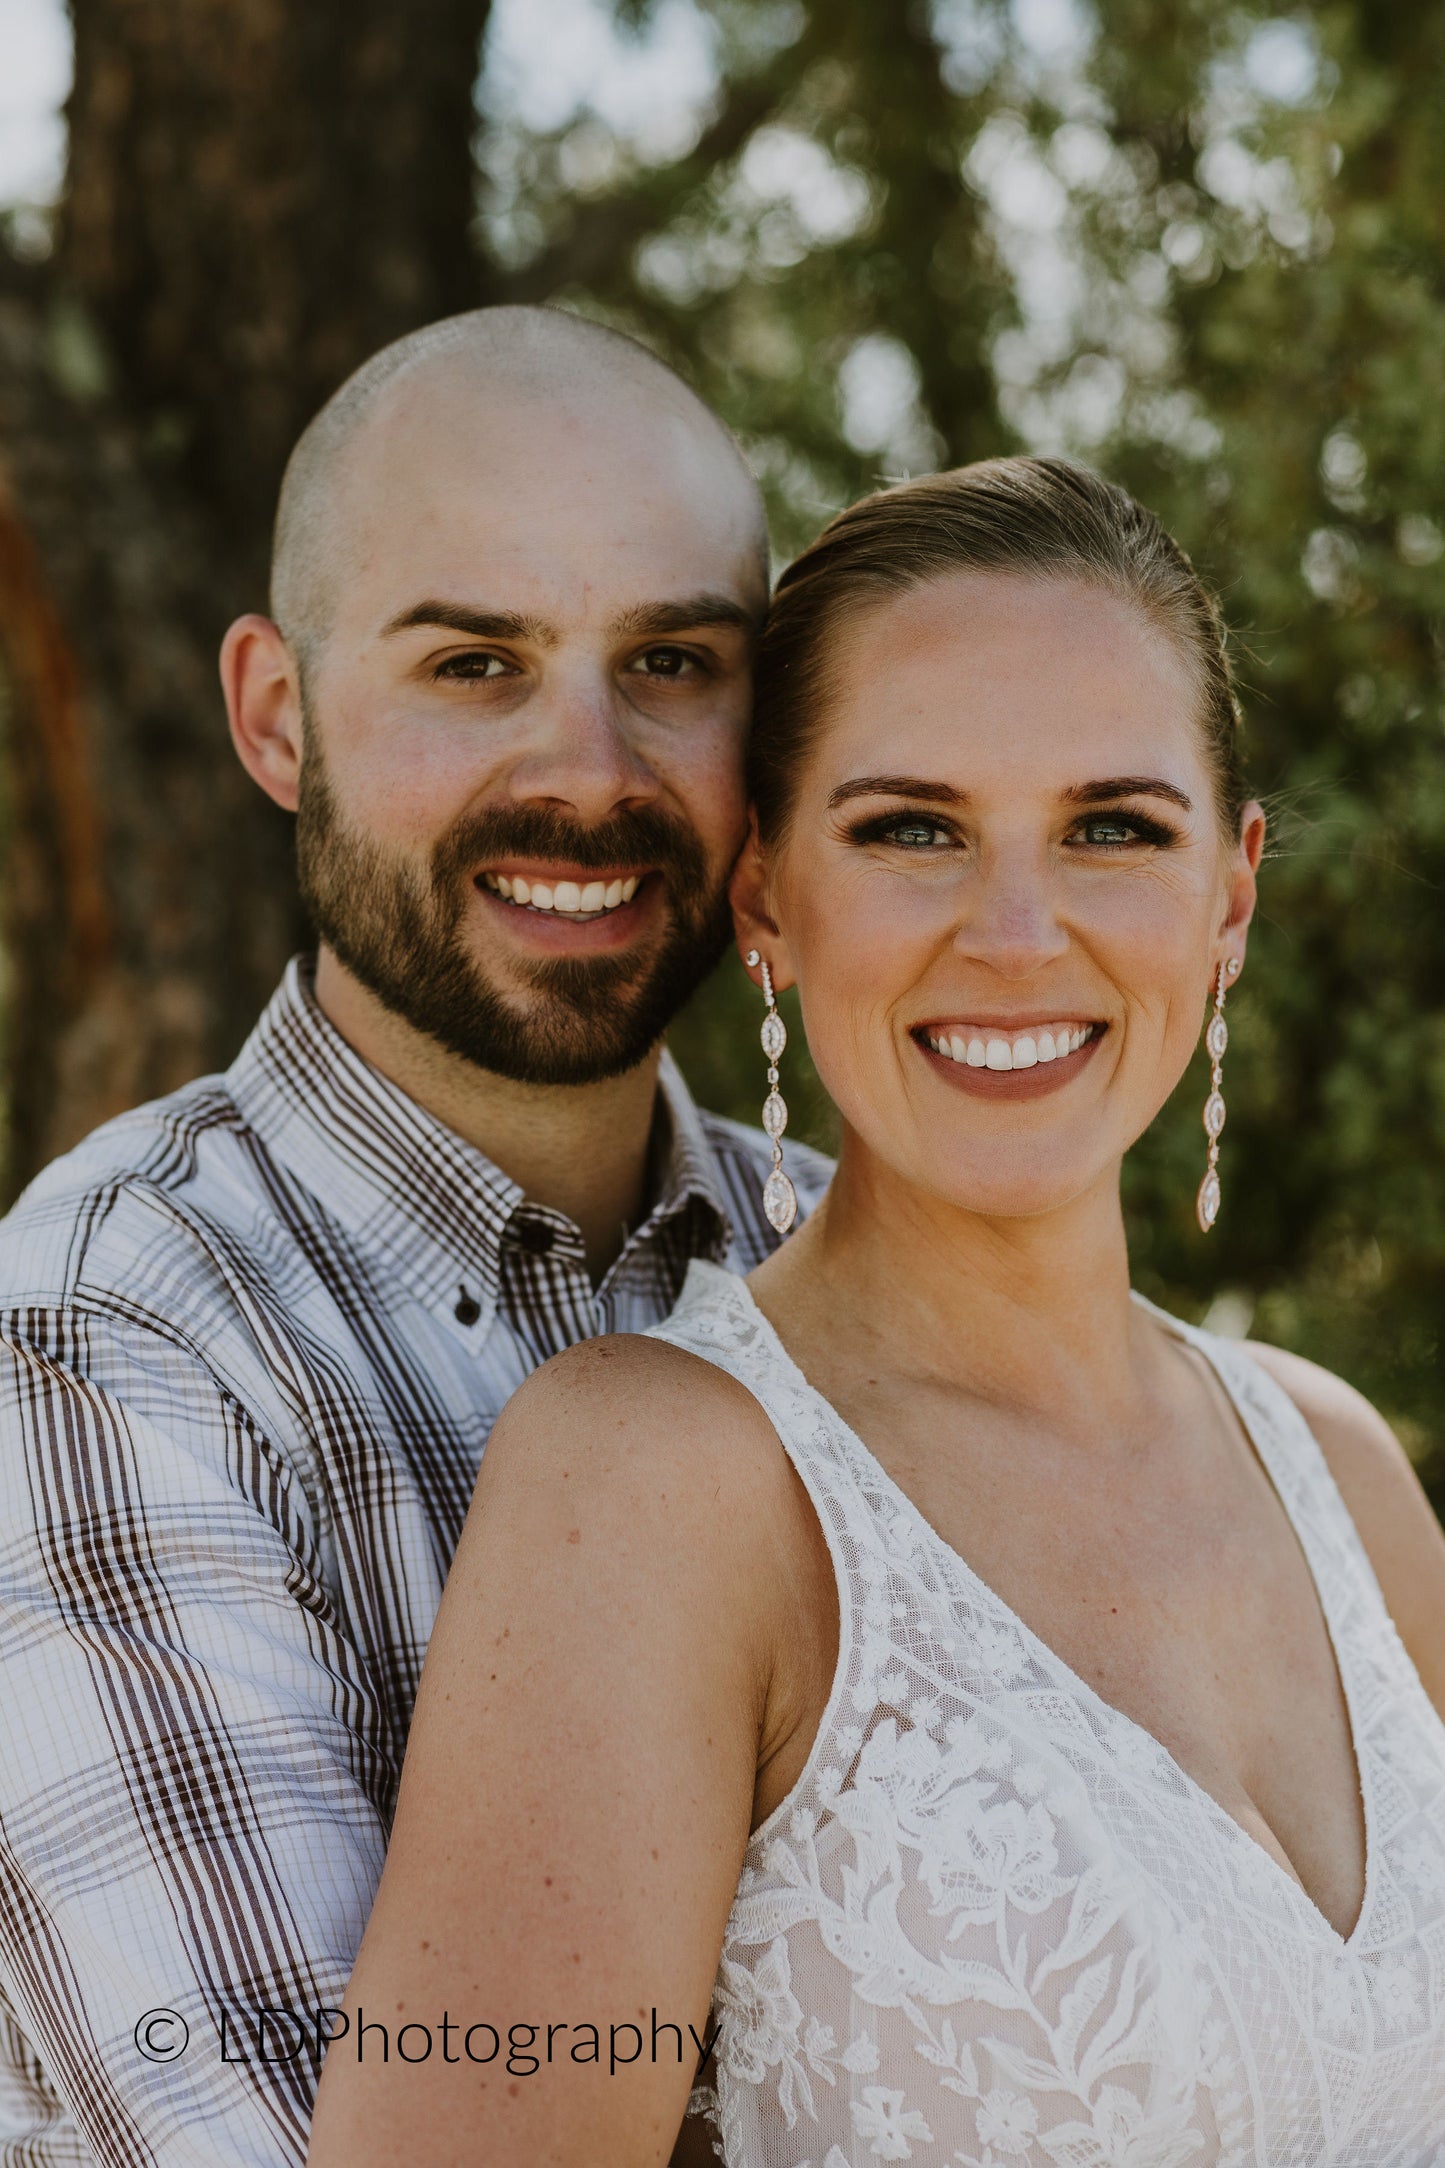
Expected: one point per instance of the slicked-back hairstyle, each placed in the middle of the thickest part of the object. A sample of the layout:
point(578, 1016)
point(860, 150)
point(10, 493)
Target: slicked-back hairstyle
point(1032, 518)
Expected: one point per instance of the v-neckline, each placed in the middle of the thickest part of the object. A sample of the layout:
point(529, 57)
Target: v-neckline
point(1049, 1657)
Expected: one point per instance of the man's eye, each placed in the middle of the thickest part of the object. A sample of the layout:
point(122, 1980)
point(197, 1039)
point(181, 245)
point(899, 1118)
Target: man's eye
point(666, 662)
point(475, 664)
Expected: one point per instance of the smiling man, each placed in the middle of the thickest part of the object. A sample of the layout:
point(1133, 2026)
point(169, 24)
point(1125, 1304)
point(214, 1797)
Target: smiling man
point(253, 1337)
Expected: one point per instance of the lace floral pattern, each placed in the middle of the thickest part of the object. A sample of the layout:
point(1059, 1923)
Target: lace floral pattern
point(995, 1925)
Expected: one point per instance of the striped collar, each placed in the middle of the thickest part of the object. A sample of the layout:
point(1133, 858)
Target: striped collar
point(414, 1195)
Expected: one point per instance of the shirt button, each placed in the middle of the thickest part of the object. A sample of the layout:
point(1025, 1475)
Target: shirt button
point(468, 1310)
point(534, 1236)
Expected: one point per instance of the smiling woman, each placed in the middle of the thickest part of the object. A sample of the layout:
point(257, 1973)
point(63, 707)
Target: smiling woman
point(1016, 1713)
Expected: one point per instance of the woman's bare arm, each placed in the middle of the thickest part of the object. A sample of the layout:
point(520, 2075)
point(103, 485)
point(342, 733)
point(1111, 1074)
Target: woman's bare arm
point(1402, 1537)
point(578, 1787)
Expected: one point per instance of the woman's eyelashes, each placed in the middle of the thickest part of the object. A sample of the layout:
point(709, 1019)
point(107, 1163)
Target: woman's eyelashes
point(906, 831)
point(1105, 832)
point(1124, 831)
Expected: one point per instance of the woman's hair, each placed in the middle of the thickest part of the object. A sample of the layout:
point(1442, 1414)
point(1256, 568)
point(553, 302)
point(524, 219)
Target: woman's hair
point(1037, 518)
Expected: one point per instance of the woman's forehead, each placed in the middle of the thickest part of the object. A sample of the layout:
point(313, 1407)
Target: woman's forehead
point(1031, 678)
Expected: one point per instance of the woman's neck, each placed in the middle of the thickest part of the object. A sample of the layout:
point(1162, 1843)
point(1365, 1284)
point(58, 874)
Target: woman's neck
point(1031, 1314)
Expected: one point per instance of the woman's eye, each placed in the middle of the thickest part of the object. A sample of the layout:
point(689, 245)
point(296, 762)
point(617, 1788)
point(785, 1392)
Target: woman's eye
point(472, 666)
point(907, 832)
point(1116, 832)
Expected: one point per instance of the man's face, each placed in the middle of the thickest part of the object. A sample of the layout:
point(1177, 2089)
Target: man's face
point(521, 789)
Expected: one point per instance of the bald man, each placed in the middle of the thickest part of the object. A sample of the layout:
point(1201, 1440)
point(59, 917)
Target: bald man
point(253, 1337)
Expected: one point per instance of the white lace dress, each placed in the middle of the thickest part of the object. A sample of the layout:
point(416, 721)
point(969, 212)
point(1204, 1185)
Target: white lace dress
point(995, 1925)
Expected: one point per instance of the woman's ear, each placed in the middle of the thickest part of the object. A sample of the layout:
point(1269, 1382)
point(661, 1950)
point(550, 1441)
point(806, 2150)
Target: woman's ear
point(1241, 893)
point(749, 893)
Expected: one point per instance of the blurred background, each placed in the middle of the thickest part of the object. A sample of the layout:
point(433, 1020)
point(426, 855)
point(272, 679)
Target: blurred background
point(1201, 245)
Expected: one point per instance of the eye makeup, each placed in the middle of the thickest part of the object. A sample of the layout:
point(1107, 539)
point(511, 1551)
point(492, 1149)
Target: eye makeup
point(1142, 830)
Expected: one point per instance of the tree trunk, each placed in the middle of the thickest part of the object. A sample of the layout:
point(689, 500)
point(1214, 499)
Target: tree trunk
point(259, 196)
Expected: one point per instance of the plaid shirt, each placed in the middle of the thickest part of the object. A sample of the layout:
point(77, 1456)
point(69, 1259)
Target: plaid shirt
point(252, 1340)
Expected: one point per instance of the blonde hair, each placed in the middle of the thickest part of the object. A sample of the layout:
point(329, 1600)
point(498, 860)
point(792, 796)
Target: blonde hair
point(1049, 518)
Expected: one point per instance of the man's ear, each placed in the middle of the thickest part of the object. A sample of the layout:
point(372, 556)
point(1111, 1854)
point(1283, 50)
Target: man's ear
point(263, 705)
point(748, 893)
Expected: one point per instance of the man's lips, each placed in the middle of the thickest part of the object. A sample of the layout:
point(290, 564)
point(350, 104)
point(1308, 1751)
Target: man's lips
point(555, 921)
point(574, 891)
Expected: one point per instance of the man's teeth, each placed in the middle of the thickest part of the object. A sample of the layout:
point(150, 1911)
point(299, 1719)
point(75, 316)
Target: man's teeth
point(1021, 1050)
point(568, 896)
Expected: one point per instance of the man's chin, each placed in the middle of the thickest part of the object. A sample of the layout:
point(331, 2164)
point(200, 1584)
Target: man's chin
point(571, 1021)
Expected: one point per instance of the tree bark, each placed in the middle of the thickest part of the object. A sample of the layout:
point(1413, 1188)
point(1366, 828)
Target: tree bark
point(259, 195)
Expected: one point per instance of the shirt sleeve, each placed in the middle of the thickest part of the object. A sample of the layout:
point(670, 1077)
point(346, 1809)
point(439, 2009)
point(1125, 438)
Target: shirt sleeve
point(194, 1775)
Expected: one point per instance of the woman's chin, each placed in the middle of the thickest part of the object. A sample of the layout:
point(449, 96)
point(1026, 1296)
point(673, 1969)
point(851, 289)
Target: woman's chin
point(1019, 1192)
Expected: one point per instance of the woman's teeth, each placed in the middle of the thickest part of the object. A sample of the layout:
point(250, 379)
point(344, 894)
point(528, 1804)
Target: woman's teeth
point(568, 896)
point(1021, 1050)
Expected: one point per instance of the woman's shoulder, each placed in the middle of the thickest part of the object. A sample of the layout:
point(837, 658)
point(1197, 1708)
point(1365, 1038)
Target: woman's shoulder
point(1396, 1523)
point(674, 1493)
point(643, 1397)
point(639, 1434)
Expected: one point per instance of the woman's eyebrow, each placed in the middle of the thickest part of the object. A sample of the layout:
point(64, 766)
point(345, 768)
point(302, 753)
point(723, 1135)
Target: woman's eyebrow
point(1127, 786)
point(1100, 792)
point(896, 786)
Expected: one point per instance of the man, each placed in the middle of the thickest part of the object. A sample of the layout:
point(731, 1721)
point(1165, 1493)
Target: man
point(255, 1335)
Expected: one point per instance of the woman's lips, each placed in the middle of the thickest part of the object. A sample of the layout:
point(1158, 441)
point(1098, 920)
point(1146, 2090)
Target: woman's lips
point(1034, 1079)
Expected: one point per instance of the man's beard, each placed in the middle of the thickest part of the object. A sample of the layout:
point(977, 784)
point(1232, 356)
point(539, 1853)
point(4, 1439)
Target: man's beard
point(400, 934)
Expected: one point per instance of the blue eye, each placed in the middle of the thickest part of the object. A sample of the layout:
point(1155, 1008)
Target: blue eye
point(907, 831)
point(1122, 832)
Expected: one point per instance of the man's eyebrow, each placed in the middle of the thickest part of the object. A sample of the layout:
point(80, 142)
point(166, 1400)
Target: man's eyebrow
point(896, 786)
point(1127, 786)
point(481, 624)
point(690, 614)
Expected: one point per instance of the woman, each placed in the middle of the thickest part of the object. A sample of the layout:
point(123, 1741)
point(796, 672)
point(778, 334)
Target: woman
point(976, 1687)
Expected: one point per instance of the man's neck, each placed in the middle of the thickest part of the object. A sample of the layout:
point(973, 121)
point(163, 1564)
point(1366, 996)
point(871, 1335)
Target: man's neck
point(581, 1149)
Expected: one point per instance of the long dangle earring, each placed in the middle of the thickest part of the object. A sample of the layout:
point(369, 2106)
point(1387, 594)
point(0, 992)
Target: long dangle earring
point(780, 1199)
point(1216, 1039)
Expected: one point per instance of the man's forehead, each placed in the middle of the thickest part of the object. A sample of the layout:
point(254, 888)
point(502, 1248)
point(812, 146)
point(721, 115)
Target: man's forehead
point(539, 540)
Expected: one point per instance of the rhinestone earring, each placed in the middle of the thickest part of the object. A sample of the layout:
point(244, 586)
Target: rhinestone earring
point(1216, 1039)
point(780, 1199)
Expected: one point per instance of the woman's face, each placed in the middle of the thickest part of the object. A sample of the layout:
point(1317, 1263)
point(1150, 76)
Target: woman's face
point(1004, 838)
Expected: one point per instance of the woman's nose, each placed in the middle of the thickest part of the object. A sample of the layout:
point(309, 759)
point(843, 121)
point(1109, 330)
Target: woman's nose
point(1012, 924)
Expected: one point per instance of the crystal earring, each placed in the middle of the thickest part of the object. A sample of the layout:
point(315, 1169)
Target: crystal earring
point(1216, 1039)
point(780, 1199)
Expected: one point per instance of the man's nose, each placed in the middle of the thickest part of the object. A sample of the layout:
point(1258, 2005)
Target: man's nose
point(578, 752)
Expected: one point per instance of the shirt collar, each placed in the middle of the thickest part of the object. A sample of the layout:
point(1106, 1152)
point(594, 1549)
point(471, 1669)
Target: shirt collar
point(409, 1190)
